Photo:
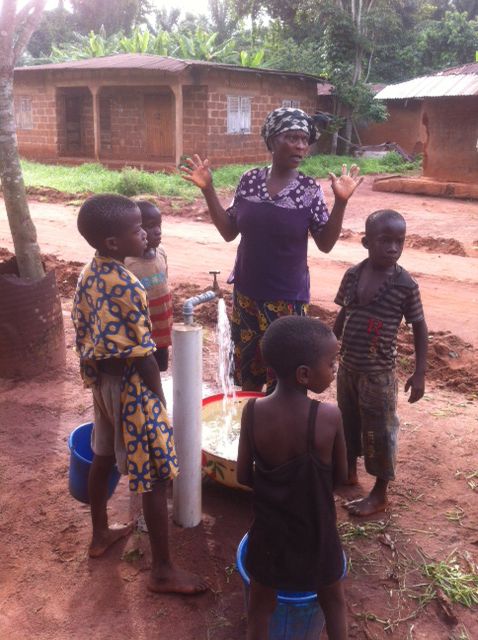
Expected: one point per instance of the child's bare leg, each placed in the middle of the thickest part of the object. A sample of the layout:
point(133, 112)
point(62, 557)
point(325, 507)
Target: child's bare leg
point(165, 577)
point(352, 477)
point(103, 536)
point(262, 603)
point(332, 601)
point(375, 502)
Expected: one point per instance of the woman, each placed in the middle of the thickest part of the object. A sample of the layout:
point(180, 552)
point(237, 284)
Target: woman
point(274, 208)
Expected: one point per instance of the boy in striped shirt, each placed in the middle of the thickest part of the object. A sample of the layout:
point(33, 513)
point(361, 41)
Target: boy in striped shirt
point(375, 295)
point(152, 271)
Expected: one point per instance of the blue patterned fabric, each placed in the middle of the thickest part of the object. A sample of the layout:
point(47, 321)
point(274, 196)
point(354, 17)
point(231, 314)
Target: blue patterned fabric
point(110, 315)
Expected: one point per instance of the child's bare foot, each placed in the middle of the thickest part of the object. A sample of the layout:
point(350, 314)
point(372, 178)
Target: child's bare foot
point(366, 506)
point(174, 580)
point(101, 543)
point(352, 479)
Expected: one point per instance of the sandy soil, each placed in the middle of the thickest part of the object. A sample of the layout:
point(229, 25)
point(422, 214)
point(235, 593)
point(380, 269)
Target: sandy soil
point(49, 589)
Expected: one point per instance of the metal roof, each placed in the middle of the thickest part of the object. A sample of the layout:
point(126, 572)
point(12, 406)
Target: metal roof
point(147, 62)
point(459, 81)
point(470, 67)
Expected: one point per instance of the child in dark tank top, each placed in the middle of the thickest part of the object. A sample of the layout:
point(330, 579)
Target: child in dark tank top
point(292, 454)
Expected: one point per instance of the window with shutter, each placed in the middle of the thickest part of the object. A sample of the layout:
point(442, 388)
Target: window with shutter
point(294, 104)
point(23, 113)
point(238, 114)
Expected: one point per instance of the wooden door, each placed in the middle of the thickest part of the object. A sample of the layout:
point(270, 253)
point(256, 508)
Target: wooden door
point(73, 128)
point(159, 127)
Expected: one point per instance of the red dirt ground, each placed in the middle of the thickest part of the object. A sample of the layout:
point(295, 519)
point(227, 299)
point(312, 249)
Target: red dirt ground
point(49, 589)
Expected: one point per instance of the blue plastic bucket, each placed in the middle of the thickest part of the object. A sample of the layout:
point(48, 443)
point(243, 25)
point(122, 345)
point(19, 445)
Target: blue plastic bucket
point(298, 615)
point(81, 457)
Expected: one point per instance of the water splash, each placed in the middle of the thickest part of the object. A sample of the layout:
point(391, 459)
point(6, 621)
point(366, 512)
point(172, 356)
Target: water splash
point(225, 369)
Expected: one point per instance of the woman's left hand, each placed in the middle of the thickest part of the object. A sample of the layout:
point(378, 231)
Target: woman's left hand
point(344, 186)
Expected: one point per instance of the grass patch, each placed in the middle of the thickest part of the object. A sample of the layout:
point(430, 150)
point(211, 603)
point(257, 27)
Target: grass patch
point(94, 178)
point(349, 531)
point(457, 584)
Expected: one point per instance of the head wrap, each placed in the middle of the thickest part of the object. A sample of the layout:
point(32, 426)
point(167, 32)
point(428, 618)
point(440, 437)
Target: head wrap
point(288, 119)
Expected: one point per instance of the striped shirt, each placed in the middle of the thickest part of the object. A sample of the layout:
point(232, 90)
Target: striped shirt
point(153, 275)
point(369, 338)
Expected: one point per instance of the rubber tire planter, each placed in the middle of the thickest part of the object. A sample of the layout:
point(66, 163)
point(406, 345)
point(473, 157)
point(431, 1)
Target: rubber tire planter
point(32, 338)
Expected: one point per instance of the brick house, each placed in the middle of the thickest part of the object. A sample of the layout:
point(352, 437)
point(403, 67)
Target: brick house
point(448, 122)
point(403, 125)
point(144, 110)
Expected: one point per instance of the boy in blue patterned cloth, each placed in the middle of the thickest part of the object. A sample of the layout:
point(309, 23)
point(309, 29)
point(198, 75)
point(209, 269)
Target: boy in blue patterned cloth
point(375, 295)
point(116, 349)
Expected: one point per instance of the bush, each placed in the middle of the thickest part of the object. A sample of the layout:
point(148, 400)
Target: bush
point(132, 182)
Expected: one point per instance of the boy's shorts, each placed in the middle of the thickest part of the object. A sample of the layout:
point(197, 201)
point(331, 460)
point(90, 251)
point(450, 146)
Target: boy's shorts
point(368, 402)
point(107, 435)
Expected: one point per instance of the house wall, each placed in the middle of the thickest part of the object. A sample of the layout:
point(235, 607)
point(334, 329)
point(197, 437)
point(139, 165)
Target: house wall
point(267, 93)
point(39, 141)
point(403, 126)
point(195, 114)
point(451, 151)
point(127, 126)
point(205, 95)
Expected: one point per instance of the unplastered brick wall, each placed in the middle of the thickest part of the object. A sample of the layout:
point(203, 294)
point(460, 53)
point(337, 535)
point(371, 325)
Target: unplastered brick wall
point(39, 140)
point(195, 111)
point(127, 125)
point(266, 93)
point(402, 126)
point(451, 151)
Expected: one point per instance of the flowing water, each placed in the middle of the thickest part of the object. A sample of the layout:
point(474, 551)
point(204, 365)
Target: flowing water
point(221, 423)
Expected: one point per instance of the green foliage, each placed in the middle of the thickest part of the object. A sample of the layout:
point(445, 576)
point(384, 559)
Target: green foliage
point(113, 17)
point(447, 42)
point(132, 182)
point(56, 26)
point(94, 178)
point(250, 59)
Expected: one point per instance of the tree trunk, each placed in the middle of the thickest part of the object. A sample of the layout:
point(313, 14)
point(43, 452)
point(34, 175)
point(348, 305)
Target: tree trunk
point(348, 134)
point(23, 230)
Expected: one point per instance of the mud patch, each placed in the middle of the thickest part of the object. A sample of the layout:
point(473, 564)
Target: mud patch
point(452, 363)
point(435, 245)
point(47, 194)
point(448, 246)
point(205, 314)
point(66, 272)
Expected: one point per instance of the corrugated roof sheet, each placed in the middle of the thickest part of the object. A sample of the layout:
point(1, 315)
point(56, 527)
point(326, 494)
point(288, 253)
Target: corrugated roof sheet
point(431, 87)
point(149, 62)
point(470, 67)
point(120, 61)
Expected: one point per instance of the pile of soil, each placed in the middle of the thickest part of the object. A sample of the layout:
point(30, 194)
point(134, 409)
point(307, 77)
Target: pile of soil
point(436, 245)
point(66, 272)
point(448, 246)
point(451, 362)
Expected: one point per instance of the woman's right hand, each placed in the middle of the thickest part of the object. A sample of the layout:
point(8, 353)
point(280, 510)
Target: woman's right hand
point(198, 172)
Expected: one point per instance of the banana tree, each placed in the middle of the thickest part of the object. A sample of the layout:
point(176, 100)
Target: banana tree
point(16, 27)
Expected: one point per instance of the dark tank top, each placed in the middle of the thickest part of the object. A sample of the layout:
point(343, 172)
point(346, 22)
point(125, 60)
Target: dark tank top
point(293, 542)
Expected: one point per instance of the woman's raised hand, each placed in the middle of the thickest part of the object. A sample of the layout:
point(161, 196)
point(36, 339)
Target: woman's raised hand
point(344, 186)
point(197, 171)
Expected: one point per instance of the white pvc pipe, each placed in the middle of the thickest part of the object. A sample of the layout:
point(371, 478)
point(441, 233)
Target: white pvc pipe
point(187, 424)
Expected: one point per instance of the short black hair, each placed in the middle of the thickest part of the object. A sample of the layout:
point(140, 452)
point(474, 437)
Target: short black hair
point(147, 208)
point(102, 216)
point(380, 216)
point(292, 341)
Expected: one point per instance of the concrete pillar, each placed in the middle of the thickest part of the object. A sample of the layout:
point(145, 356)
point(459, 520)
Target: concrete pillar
point(95, 93)
point(178, 121)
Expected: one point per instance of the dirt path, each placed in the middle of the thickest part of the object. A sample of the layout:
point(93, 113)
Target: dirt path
point(49, 590)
